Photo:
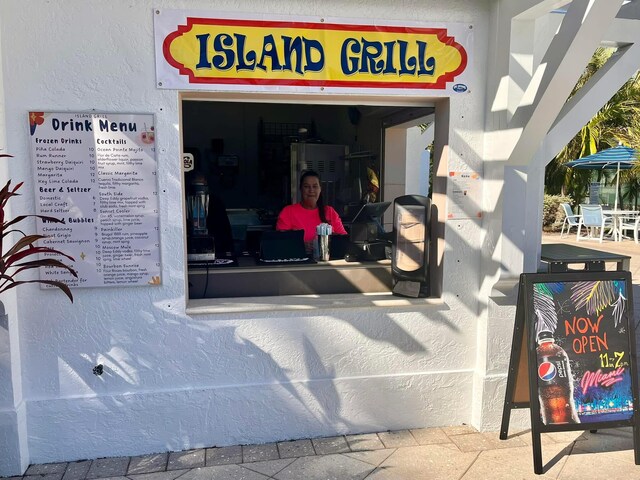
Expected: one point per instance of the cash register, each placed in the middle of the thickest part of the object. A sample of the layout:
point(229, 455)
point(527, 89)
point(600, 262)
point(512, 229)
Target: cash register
point(367, 238)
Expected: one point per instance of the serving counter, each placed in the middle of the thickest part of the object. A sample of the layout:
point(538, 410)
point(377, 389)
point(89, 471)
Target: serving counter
point(249, 278)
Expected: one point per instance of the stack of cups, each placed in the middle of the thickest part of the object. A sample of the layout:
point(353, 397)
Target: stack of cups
point(321, 244)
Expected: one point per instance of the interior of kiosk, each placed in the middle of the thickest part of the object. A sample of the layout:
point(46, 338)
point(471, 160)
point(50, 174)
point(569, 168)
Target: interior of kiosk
point(246, 162)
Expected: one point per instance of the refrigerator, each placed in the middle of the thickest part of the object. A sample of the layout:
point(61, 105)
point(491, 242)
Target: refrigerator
point(330, 162)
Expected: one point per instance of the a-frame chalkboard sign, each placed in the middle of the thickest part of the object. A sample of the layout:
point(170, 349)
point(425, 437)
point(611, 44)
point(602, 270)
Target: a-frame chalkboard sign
point(573, 356)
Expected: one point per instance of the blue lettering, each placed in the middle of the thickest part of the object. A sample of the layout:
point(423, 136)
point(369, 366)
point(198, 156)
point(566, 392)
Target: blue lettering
point(228, 57)
point(204, 57)
point(309, 47)
point(349, 64)
point(292, 46)
point(389, 66)
point(428, 62)
point(73, 125)
point(269, 50)
point(370, 52)
point(248, 62)
point(407, 65)
point(106, 126)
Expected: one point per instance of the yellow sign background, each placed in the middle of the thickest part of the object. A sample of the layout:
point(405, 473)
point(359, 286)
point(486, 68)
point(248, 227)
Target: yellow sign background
point(187, 47)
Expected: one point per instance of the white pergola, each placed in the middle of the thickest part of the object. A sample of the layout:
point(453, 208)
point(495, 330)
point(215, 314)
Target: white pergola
point(530, 120)
point(541, 49)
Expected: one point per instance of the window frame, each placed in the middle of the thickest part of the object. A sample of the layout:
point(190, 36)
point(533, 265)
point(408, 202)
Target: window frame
point(436, 230)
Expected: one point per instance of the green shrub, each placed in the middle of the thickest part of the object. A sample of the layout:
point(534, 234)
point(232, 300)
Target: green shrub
point(552, 213)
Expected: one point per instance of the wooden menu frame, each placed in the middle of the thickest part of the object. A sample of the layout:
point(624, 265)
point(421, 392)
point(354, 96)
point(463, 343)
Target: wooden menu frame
point(606, 397)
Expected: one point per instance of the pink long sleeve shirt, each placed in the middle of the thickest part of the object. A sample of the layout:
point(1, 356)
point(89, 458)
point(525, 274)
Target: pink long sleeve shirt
point(296, 217)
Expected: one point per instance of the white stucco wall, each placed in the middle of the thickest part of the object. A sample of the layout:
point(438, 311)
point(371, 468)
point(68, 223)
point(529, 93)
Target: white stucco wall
point(174, 381)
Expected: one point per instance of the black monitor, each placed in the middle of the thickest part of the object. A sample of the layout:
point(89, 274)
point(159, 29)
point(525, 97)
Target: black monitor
point(366, 226)
point(371, 212)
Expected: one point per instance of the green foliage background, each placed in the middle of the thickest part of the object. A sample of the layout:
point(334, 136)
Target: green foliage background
point(617, 122)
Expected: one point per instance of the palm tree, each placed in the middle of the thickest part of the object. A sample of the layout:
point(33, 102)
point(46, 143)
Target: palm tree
point(617, 122)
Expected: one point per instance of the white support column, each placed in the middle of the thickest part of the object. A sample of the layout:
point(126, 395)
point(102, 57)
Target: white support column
point(14, 452)
point(14, 458)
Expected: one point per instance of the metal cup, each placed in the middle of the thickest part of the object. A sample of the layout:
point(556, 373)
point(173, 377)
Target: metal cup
point(323, 248)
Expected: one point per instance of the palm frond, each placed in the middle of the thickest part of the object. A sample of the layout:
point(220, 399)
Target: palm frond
point(544, 307)
point(593, 296)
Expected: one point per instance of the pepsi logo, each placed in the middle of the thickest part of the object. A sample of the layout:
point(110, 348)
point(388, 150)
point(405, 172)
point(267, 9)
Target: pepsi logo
point(547, 371)
point(459, 88)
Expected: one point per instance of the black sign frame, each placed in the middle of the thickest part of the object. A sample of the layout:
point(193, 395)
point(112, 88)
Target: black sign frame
point(521, 362)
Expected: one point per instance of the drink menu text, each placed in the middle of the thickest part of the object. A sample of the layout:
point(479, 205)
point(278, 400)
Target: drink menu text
point(98, 173)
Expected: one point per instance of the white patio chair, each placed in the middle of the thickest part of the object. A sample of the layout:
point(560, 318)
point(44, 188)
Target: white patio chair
point(593, 218)
point(630, 222)
point(570, 219)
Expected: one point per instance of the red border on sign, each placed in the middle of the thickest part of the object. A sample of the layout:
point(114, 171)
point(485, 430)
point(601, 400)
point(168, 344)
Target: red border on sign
point(441, 33)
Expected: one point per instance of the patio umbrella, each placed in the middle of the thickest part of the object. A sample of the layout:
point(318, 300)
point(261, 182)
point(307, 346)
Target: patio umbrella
point(618, 158)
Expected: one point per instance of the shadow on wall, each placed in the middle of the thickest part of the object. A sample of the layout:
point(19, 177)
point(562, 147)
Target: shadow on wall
point(171, 383)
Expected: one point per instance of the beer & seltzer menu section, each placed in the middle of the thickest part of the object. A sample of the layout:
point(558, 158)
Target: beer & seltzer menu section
point(97, 172)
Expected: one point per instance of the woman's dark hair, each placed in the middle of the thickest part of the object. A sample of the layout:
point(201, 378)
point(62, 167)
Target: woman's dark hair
point(313, 173)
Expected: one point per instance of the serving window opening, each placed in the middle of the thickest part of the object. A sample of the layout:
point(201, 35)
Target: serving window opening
point(243, 166)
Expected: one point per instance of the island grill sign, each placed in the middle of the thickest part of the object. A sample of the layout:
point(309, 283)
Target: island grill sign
point(194, 51)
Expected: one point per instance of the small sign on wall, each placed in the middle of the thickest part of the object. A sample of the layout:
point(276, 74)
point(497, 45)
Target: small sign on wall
point(187, 162)
point(98, 172)
point(464, 195)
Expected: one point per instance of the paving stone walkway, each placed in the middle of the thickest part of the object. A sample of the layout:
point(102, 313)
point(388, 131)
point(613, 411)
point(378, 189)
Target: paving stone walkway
point(449, 453)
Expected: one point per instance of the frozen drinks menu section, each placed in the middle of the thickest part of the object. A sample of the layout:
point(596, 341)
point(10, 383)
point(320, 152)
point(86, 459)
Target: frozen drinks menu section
point(97, 172)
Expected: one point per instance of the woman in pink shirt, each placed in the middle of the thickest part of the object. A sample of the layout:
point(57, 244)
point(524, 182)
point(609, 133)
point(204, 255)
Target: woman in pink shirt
point(310, 212)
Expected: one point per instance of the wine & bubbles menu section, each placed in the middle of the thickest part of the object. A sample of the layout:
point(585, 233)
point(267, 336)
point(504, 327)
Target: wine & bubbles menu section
point(97, 172)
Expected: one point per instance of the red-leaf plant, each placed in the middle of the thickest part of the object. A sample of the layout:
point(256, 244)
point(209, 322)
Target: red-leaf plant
point(16, 258)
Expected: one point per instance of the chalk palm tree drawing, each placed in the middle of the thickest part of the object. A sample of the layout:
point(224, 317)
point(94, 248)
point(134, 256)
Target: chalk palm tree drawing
point(593, 296)
point(544, 305)
point(596, 296)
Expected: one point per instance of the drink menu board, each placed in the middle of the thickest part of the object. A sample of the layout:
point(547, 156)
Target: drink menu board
point(97, 172)
point(583, 352)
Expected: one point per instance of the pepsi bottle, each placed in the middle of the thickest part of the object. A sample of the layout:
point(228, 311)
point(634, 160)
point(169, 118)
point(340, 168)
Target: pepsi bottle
point(555, 384)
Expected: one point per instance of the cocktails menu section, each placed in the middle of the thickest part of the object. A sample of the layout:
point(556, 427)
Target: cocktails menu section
point(97, 172)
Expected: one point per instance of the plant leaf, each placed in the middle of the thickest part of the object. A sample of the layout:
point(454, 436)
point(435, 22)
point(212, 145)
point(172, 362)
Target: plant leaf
point(9, 261)
point(46, 262)
point(24, 242)
point(25, 247)
point(22, 217)
point(62, 286)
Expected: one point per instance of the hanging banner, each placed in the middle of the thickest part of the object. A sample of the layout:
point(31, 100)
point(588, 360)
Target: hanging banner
point(97, 172)
point(195, 50)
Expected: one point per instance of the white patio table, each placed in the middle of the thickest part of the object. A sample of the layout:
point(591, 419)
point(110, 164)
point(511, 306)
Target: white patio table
point(617, 218)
